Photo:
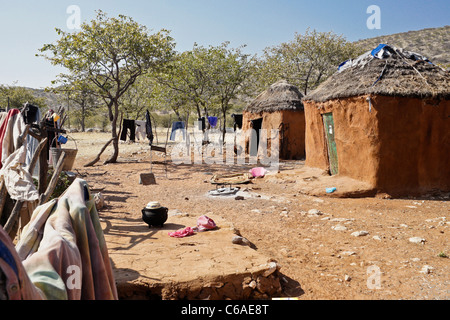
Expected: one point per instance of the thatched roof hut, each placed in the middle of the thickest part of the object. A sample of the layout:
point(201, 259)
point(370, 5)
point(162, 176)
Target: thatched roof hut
point(383, 118)
point(399, 74)
point(279, 107)
point(278, 97)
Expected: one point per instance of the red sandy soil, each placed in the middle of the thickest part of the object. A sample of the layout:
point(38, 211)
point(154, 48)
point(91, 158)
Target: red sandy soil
point(318, 260)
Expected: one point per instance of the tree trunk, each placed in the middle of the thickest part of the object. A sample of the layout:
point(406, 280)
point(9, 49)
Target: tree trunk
point(199, 112)
point(224, 129)
point(114, 137)
point(83, 116)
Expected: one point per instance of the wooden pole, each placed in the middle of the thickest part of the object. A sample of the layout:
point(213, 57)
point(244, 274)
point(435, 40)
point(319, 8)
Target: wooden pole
point(53, 181)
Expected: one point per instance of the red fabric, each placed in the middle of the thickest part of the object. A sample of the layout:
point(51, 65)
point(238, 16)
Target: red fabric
point(203, 223)
point(3, 127)
point(181, 233)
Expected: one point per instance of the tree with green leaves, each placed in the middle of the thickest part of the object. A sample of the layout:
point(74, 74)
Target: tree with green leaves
point(306, 61)
point(15, 97)
point(137, 99)
point(188, 78)
point(207, 79)
point(110, 54)
point(82, 101)
point(229, 77)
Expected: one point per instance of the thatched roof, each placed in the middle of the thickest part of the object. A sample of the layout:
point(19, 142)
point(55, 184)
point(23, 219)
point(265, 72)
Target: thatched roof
point(397, 73)
point(279, 96)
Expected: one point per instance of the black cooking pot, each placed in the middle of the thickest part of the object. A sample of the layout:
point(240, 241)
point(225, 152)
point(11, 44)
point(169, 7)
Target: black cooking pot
point(155, 217)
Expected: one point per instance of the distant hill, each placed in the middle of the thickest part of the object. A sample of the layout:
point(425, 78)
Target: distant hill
point(52, 100)
point(434, 43)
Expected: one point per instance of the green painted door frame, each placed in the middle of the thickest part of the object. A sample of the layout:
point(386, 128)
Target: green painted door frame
point(328, 124)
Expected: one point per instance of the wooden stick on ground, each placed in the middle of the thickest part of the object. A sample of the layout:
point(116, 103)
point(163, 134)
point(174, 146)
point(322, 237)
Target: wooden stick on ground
point(90, 164)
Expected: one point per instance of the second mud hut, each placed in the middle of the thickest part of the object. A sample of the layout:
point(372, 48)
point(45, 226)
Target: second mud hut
point(279, 107)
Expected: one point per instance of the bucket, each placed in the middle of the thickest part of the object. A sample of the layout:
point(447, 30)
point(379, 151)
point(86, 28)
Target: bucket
point(70, 156)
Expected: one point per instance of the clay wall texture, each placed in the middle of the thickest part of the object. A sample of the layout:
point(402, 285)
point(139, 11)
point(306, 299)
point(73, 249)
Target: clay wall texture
point(292, 131)
point(400, 146)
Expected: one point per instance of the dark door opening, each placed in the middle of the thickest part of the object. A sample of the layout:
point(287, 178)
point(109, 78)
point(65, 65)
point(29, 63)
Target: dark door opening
point(254, 140)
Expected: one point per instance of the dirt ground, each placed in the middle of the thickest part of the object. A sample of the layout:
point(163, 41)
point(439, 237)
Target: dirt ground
point(347, 248)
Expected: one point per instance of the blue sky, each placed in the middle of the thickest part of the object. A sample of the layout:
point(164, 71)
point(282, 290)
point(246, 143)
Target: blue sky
point(26, 25)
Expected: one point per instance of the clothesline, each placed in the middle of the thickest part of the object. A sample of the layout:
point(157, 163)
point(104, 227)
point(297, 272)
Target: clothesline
point(132, 129)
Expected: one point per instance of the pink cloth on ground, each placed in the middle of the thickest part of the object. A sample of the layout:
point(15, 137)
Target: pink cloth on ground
point(181, 233)
point(258, 172)
point(203, 223)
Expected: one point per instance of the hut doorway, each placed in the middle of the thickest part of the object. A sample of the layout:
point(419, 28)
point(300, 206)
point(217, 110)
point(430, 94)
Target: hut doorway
point(256, 125)
point(328, 123)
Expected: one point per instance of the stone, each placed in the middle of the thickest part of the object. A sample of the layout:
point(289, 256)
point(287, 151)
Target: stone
point(340, 220)
point(237, 240)
point(339, 227)
point(272, 267)
point(284, 213)
point(426, 269)
point(240, 240)
point(99, 199)
point(359, 233)
point(314, 212)
point(417, 240)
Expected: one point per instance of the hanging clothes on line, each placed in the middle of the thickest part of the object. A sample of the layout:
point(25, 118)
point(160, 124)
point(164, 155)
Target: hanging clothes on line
point(141, 133)
point(212, 121)
point(11, 129)
point(178, 125)
point(31, 115)
point(201, 124)
point(148, 127)
point(128, 125)
point(49, 122)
